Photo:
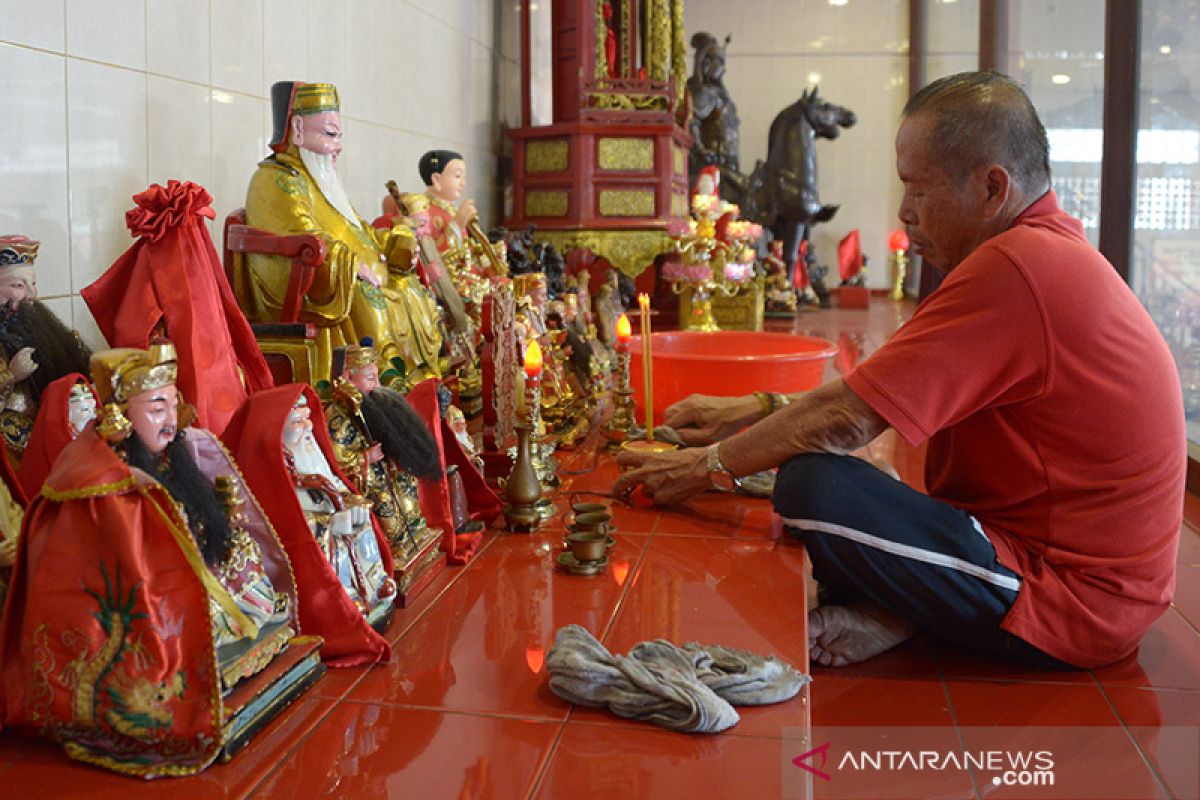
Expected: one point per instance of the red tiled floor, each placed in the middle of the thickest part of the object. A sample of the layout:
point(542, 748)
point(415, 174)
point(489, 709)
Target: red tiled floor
point(1189, 547)
point(962, 664)
point(1187, 595)
point(1168, 658)
point(377, 751)
point(482, 648)
point(739, 593)
point(606, 761)
point(45, 771)
point(715, 514)
point(1093, 755)
point(840, 700)
point(1172, 753)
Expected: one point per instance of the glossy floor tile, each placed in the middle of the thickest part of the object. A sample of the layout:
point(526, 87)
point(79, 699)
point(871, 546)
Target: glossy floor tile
point(378, 751)
point(463, 709)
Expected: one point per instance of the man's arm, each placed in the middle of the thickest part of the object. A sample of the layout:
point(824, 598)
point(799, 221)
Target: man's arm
point(831, 419)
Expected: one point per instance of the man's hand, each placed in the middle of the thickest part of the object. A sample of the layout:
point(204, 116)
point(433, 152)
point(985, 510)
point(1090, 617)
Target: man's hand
point(700, 419)
point(375, 453)
point(22, 364)
point(368, 275)
point(666, 478)
point(465, 212)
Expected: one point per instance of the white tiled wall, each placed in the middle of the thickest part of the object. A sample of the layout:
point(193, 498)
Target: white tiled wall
point(103, 98)
point(858, 52)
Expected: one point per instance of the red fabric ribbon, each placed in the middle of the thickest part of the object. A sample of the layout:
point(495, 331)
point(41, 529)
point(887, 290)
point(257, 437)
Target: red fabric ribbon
point(171, 275)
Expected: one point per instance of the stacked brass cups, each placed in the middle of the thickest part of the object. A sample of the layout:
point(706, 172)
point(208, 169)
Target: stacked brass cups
point(589, 536)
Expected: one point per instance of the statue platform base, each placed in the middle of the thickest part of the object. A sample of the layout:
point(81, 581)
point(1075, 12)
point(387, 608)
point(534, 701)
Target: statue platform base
point(853, 297)
point(419, 571)
point(257, 700)
point(741, 312)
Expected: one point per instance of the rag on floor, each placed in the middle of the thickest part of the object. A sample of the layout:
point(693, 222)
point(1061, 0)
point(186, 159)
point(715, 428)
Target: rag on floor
point(691, 688)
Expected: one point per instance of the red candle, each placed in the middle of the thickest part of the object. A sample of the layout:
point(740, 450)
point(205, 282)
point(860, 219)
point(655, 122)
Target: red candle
point(898, 241)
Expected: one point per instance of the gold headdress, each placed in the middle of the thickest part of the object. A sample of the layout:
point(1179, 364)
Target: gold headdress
point(527, 282)
point(124, 373)
point(17, 254)
point(314, 98)
point(361, 355)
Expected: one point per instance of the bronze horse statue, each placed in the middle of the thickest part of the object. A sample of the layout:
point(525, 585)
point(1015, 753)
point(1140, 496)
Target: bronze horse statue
point(781, 193)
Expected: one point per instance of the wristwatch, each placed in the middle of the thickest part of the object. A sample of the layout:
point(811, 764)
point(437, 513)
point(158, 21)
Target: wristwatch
point(718, 475)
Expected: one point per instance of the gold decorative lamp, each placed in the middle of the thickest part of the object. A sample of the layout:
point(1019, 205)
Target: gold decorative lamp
point(898, 245)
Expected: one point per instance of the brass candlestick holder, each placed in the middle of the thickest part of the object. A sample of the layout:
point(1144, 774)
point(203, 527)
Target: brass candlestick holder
point(542, 456)
point(621, 425)
point(522, 490)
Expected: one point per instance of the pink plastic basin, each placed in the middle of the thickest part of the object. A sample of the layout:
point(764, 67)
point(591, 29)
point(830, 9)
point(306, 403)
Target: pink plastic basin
point(726, 363)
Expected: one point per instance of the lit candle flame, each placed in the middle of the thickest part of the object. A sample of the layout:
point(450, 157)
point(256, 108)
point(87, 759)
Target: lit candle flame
point(533, 359)
point(624, 329)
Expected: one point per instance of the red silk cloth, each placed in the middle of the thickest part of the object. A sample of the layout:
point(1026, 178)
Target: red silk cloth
point(435, 494)
point(106, 644)
point(255, 436)
point(172, 275)
point(850, 259)
point(51, 432)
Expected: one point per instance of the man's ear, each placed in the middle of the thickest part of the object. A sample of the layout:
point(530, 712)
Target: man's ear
point(998, 186)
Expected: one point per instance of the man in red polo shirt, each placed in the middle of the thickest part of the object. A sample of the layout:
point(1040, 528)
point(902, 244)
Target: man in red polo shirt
point(1053, 412)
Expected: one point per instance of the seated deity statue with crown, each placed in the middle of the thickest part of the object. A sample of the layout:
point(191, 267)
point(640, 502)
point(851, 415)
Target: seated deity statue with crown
point(383, 447)
point(144, 526)
point(367, 285)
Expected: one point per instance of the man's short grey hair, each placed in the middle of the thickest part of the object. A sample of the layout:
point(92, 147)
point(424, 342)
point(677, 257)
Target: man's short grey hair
point(981, 118)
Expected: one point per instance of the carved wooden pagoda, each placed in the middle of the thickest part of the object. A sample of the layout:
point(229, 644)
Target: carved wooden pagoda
point(605, 179)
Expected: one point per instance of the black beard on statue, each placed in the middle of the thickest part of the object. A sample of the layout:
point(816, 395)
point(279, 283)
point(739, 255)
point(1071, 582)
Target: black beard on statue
point(58, 350)
point(177, 471)
point(403, 435)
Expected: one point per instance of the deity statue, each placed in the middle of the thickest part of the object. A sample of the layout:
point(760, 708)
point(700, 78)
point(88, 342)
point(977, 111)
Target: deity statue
point(562, 406)
point(714, 125)
point(340, 556)
point(68, 405)
point(383, 447)
point(610, 306)
point(339, 519)
point(367, 286)
point(143, 528)
point(35, 347)
point(780, 294)
point(444, 173)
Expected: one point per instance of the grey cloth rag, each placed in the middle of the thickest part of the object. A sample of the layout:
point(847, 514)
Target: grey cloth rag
point(690, 688)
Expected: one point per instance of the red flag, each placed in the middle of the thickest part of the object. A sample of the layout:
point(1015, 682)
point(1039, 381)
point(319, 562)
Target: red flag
point(849, 256)
point(800, 268)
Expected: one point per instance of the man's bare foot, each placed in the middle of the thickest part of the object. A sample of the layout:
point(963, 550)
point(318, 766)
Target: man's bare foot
point(841, 635)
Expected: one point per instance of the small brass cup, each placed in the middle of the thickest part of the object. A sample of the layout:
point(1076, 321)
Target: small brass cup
point(593, 520)
point(589, 546)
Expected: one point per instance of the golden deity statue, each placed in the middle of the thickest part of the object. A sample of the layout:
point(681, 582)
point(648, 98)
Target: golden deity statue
point(366, 286)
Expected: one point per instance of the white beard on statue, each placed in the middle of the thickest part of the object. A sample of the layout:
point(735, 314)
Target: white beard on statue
point(324, 171)
point(309, 460)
